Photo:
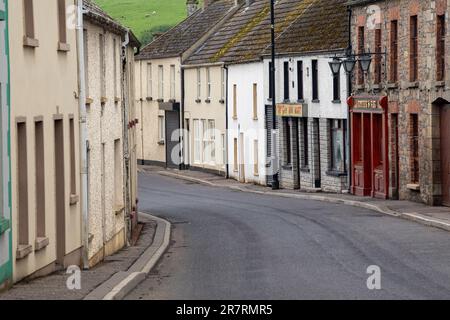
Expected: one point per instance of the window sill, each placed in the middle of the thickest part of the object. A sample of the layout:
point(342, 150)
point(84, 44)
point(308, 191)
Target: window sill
point(333, 173)
point(360, 87)
point(287, 167)
point(235, 117)
point(4, 225)
point(439, 84)
point(413, 85)
point(117, 99)
point(305, 170)
point(377, 87)
point(301, 101)
point(256, 174)
point(255, 118)
point(63, 47)
point(103, 100)
point(74, 199)
point(160, 100)
point(89, 101)
point(161, 143)
point(23, 250)
point(336, 101)
point(413, 186)
point(149, 99)
point(315, 101)
point(392, 85)
point(118, 209)
point(172, 100)
point(30, 42)
point(198, 100)
point(222, 101)
point(208, 101)
point(41, 243)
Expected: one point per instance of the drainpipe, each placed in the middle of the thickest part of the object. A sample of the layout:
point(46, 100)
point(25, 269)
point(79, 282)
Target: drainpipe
point(125, 128)
point(182, 155)
point(83, 135)
point(227, 165)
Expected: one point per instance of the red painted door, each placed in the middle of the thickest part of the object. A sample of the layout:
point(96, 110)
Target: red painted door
point(445, 154)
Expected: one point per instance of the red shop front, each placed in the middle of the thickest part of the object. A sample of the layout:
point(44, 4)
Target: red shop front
point(369, 146)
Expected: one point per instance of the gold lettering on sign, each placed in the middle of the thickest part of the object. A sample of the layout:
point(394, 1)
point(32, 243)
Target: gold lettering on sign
point(289, 110)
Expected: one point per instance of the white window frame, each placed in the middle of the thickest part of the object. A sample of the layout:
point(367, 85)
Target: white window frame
point(205, 140)
point(149, 80)
point(212, 140)
point(172, 81)
point(161, 82)
point(199, 84)
point(223, 84)
point(208, 83)
point(161, 129)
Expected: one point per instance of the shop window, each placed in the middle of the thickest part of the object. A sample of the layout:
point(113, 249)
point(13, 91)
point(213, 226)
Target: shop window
point(287, 139)
point(197, 141)
point(305, 143)
point(440, 48)
point(337, 139)
point(414, 147)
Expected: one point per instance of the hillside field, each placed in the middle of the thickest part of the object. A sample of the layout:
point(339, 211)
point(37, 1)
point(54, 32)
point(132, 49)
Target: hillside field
point(146, 16)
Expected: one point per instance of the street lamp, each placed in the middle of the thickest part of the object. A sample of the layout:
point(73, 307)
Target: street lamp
point(349, 64)
point(365, 62)
point(335, 65)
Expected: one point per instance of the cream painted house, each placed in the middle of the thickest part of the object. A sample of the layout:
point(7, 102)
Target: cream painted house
point(162, 108)
point(108, 92)
point(44, 138)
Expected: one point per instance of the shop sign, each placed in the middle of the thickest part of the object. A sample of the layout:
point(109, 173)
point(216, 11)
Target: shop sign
point(367, 103)
point(291, 110)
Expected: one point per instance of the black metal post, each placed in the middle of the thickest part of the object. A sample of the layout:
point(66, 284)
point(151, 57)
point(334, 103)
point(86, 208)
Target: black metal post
point(349, 93)
point(275, 181)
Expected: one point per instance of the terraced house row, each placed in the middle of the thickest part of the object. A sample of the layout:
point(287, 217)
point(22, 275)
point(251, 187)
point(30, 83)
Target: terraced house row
point(360, 96)
point(68, 190)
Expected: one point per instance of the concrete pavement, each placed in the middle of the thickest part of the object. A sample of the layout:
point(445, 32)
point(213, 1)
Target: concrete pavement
point(228, 244)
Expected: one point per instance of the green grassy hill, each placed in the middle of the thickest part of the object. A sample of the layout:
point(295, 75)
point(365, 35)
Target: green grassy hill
point(146, 16)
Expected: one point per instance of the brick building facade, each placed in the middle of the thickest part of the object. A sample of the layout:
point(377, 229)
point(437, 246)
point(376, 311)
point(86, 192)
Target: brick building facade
point(413, 76)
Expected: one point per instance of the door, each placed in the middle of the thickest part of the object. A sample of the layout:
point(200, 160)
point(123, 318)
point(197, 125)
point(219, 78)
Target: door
point(445, 154)
point(60, 193)
point(241, 158)
point(173, 139)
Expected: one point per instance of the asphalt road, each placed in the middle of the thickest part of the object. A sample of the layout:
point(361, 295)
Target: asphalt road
point(234, 245)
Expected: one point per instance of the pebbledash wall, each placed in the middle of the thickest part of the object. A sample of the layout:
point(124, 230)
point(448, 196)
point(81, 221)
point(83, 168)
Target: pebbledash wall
point(107, 232)
point(314, 172)
point(151, 139)
point(425, 97)
point(45, 171)
point(246, 134)
point(5, 214)
point(204, 116)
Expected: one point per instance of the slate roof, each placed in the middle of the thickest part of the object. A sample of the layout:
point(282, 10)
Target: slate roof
point(183, 36)
point(246, 36)
point(95, 14)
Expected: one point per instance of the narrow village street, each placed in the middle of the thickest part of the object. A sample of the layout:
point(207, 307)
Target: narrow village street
point(233, 245)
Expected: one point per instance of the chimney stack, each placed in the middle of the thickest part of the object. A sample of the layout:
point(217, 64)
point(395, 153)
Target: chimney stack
point(207, 3)
point(191, 6)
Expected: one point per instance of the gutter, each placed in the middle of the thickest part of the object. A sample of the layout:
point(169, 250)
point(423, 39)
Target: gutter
point(83, 135)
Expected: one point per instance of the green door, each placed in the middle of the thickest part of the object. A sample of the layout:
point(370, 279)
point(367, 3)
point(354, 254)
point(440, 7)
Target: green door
point(5, 211)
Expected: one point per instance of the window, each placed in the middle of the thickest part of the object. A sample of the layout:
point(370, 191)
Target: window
point(440, 48)
point(62, 21)
point(235, 155)
point(234, 101)
point(361, 50)
point(377, 65)
point(414, 147)
point(172, 82)
point(149, 80)
point(161, 129)
point(337, 152)
point(305, 143)
point(205, 141)
point(315, 80)
point(101, 44)
point(208, 83)
point(270, 81)
point(300, 80)
point(118, 174)
point(414, 50)
point(394, 52)
point(197, 141)
point(28, 12)
point(255, 101)
point(86, 61)
point(40, 179)
point(160, 82)
point(286, 80)
point(115, 67)
point(199, 84)
point(212, 140)
point(224, 152)
point(336, 87)
point(255, 158)
point(287, 139)
point(22, 179)
point(73, 174)
point(223, 85)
